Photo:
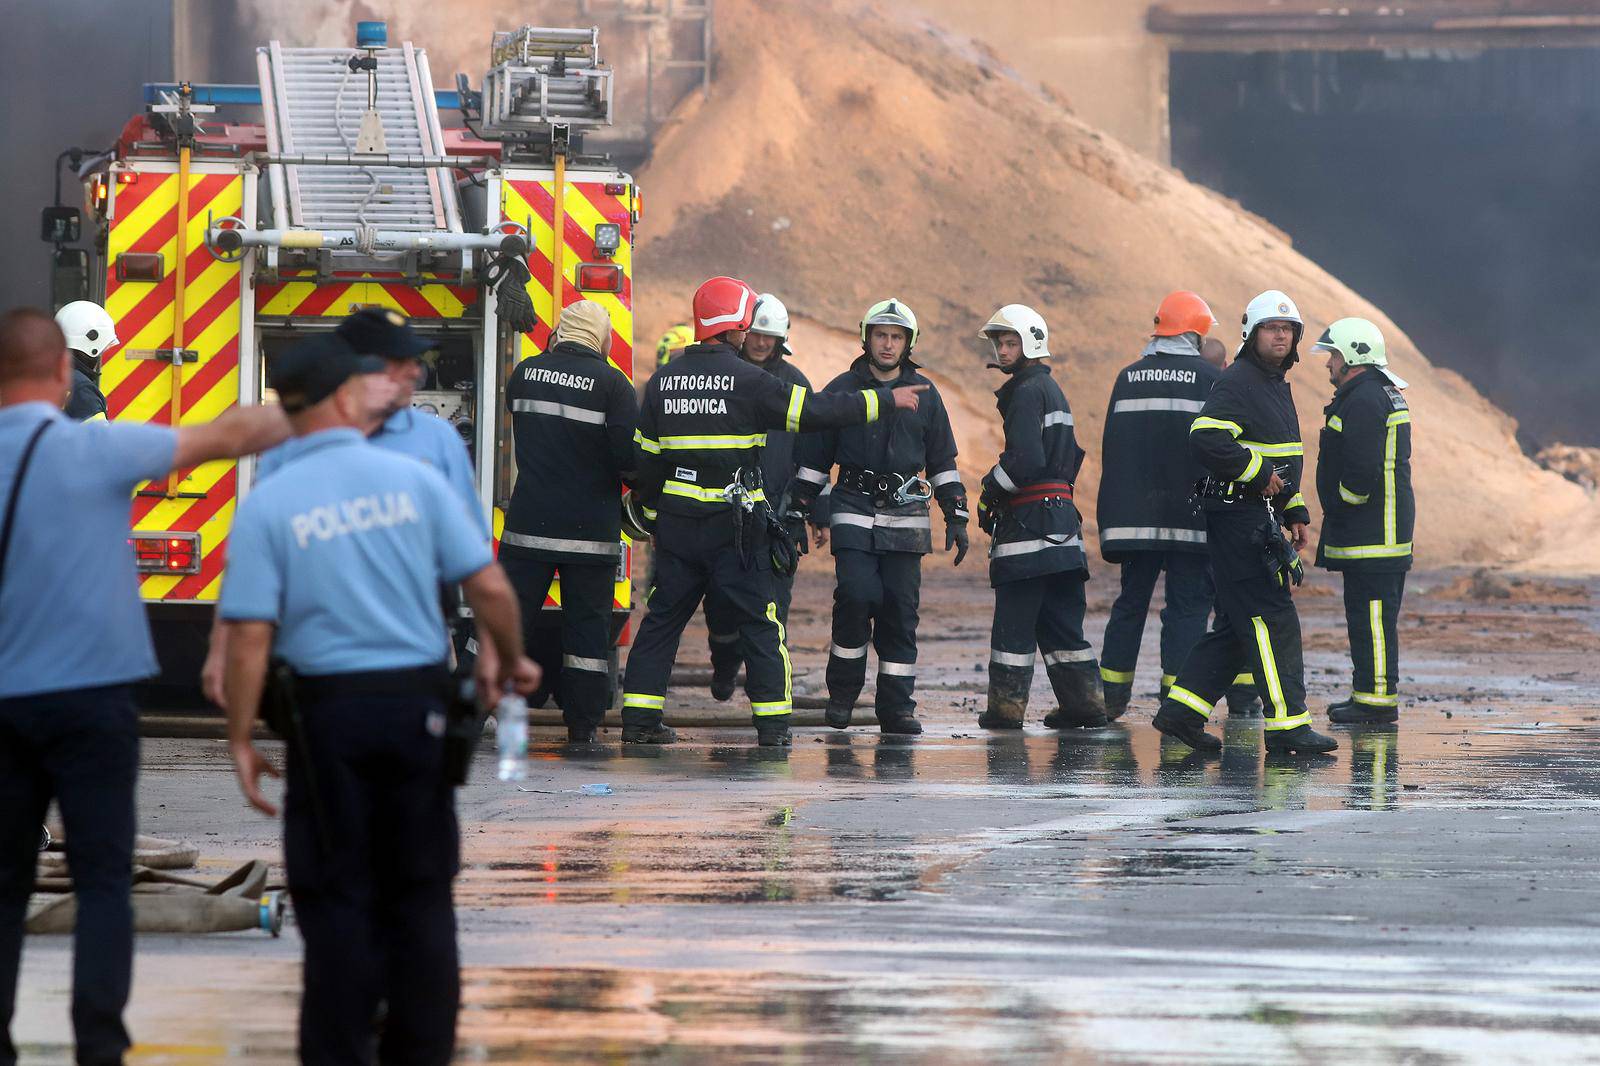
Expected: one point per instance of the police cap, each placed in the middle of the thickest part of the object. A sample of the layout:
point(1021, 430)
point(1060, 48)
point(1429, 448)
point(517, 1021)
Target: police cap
point(312, 370)
point(380, 331)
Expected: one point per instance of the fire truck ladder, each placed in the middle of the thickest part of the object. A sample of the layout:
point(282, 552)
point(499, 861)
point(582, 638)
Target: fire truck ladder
point(314, 104)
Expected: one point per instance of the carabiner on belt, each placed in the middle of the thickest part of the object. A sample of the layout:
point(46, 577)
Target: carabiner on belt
point(914, 489)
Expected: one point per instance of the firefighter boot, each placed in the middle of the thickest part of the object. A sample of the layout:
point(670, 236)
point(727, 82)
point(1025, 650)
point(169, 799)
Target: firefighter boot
point(1180, 723)
point(1353, 712)
point(901, 724)
point(580, 734)
point(1079, 705)
point(838, 714)
point(641, 729)
point(772, 730)
point(1243, 702)
point(1301, 740)
point(722, 688)
point(1118, 694)
point(1008, 697)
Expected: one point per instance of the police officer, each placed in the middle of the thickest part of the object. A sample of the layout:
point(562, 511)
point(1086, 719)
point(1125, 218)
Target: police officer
point(90, 334)
point(573, 415)
point(878, 521)
point(1147, 524)
point(766, 346)
point(334, 566)
point(1247, 436)
point(424, 437)
point(1036, 561)
point(701, 427)
point(1368, 509)
point(73, 639)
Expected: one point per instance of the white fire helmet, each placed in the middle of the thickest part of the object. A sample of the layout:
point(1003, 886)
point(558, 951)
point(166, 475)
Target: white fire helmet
point(772, 320)
point(1270, 306)
point(1026, 323)
point(88, 328)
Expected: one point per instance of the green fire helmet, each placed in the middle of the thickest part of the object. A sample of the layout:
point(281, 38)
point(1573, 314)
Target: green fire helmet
point(891, 312)
point(1360, 343)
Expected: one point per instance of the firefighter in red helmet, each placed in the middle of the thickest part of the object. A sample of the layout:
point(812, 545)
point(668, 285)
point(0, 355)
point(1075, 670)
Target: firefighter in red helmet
point(702, 423)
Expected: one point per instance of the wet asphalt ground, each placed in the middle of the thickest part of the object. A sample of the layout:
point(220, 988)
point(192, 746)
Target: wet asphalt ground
point(1427, 895)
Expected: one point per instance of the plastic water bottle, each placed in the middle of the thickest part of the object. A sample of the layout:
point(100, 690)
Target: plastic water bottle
point(511, 736)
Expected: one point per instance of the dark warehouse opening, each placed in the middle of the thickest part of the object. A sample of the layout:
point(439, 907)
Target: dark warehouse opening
point(1455, 189)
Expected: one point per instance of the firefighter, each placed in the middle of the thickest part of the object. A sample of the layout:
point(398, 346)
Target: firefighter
point(701, 427)
point(335, 566)
point(421, 435)
point(878, 521)
point(90, 334)
point(73, 640)
point(765, 346)
point(1247, 436)
point(572, 415)
point(1036, 560)
point(1147, 523)
point(1364, 485)
point(672, 343)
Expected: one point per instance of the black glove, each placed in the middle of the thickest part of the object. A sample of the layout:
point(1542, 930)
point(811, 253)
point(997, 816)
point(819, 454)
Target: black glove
point(955, 536)
point(795, 524)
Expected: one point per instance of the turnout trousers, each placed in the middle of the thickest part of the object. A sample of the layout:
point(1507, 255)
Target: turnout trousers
point(722, 625)
point(1041, 616)
point(1372, 615)
point(586, 600)
point(697, 559)
point(1257, 629)
point(371, 843)
point(876, 596)
point(1188, 595)
point(81, 748)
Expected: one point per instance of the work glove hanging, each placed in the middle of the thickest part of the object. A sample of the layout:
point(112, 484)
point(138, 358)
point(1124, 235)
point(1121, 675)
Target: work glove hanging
point(795, 523)
point(955, 528)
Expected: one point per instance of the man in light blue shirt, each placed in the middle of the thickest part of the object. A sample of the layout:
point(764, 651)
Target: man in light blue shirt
point(73, 638)
point(335, 566)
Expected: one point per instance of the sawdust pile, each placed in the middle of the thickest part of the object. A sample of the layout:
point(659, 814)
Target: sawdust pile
point(844, 156)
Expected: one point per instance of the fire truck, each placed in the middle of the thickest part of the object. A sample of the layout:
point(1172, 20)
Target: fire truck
point(232, 220)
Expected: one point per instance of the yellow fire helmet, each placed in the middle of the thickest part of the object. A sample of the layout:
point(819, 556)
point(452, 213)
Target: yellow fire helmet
point(672, 342)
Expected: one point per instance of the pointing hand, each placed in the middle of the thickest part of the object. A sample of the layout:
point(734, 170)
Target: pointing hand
point(905, 397)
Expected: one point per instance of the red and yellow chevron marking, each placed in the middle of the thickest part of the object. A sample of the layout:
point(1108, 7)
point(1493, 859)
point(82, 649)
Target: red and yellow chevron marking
point(587, 204)
point(140, 390)
point(339, 298)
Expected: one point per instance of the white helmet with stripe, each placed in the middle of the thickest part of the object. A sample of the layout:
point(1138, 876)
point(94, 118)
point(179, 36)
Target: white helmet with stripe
point(88, 327)
point(1270, 306)
point(1026, 323)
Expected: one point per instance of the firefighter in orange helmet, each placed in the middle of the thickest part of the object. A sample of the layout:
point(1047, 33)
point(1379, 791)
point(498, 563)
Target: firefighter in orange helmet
point(1147, 524)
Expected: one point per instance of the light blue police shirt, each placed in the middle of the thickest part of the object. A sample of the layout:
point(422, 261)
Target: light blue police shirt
point(70, 614)
point(344, 549)
point(422, 436)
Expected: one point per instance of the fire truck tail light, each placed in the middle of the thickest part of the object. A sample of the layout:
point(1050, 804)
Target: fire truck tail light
point(166, 553)
point(599, 277)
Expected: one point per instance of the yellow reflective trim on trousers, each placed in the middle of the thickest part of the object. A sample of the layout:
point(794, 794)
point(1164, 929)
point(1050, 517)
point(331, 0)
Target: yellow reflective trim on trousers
point(1303, 718)
point(643, 699)
point(646, 443)
point(1286, 450)
point(1116, 677)
point(871, 399)
point(763, 710)
point(1250, 470)
point(1368, 551)
point(1353, 498)
point(1269, 667)
point(1244, 679)
point(695, 492)
point(1380, 651)
point(1182, 695)
point(1296, 500)
point(1373, 699)
point(712, 442)
point(783, 650)
point(1233, 429)
point(1336, 423)
point(797, 400)
point(1168, 679)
